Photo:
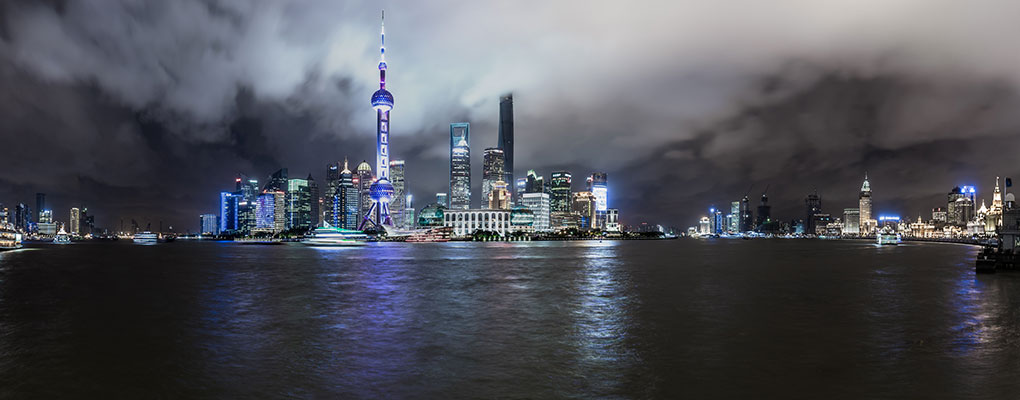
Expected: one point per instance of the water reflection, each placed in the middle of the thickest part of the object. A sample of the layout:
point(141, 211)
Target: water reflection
point(602, 319)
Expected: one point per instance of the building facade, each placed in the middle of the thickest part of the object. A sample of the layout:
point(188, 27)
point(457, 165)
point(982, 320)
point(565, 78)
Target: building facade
point(538, 203)
point(467, 222)
point(851, 221)
point(208, 224)
point(499, 197)
point(398, 203)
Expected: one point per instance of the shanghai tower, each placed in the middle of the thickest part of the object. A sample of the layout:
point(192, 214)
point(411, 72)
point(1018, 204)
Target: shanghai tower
point(506, 138)
point(381, 190)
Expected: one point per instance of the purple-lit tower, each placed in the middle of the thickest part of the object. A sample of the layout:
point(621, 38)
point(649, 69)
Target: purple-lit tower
point(381, 190)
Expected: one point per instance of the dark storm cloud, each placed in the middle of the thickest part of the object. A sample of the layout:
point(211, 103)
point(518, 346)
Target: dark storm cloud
point(147, 109)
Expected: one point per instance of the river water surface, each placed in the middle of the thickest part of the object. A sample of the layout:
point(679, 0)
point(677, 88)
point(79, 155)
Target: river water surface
point(632, 319)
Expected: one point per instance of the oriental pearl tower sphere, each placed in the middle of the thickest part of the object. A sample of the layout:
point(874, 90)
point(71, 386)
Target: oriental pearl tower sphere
point(381, 190)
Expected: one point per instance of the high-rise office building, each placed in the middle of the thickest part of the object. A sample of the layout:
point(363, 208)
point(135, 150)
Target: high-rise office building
point(381, 190)
point(734, 225)
point(764, 217)
point(277, 181)
point(584, 205)
point(499, 197)
point(299, 204)
point(851, 221)
point(399, 192)
point(246, 193)
point(746, 215)
point(347, 201)
point(74, 224)
point(208, 225)
point(598, 185)
point(460, 166)
point(534, 182)
point(560, 187)
point(867, 220)
point(443, 199)
point(41, 205)
point(492, 170)
point(939, 215)
point(538, 203)
point(228, 211)
point(613, 220)
point(270, 212)
point(812, 206)
point(365, 178)
point(45, 217)
point(506, 137)
point(315, 203)
point(332, 214)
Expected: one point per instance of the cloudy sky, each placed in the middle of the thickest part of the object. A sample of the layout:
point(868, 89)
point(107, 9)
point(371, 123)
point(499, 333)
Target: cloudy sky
point(147, 109)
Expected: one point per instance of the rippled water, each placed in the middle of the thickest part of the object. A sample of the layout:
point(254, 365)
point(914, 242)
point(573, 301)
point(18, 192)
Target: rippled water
point(638, 319)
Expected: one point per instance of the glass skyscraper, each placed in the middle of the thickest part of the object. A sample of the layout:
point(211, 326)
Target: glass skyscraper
point(460, 166)
point(347, 199)
point(561, 191)
point(331, 213)
point(506, 137)
point(492, 171)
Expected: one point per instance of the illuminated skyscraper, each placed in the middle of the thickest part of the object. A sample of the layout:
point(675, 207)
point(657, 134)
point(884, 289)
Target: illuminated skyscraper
point(460, 166)
point(381, 191)
point(492, 170)
point(764, 217)
point(506, 137)
point(228, 213)
point(584, 205)
point(561, 191)
point(867, 220)
point(598, 185)
point(851, 221)
point(74, 225)
point(408, 212)
point(331, 212)
point(348, 197)
point(397, 203)
point(277, 181)
point(299, 203)
point(443, 199)
point(208, 224)
point(734, 225)
point(40, 204)
point(270, 212)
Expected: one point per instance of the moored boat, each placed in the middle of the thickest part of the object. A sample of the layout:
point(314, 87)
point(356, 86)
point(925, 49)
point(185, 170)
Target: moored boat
point(333, 236)
point(888, 237)
point(62, 237)
point(10, 239)
point(145, 238)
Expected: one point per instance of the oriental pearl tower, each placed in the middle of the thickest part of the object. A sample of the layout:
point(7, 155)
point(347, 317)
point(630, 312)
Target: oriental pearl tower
point(381, 190)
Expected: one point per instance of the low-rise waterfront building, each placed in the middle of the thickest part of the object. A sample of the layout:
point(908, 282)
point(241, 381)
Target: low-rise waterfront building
point(466, 222)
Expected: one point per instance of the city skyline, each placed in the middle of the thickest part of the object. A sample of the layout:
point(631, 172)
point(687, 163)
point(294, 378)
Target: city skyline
point(141, 144)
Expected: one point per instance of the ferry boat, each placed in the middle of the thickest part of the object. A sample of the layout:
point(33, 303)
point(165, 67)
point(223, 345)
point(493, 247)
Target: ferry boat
point(10, 239)
point(145, 238)
point(431, 235)
point(333, 236)
point(888, 237)
point(62, 237)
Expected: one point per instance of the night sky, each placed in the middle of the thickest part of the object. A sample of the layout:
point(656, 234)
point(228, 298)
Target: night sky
point(148, 109)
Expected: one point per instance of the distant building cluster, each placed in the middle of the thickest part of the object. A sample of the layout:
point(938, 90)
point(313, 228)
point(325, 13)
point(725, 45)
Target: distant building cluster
point(41, 221)
point(961, 217)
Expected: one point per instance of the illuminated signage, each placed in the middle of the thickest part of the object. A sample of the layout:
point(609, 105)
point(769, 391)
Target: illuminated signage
point(601, 198)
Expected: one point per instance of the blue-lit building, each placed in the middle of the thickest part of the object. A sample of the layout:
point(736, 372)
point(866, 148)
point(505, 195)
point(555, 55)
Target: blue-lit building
point(209, 224)
point(598, 185)
point(228, 211)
